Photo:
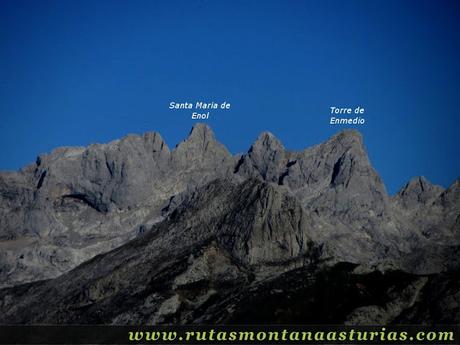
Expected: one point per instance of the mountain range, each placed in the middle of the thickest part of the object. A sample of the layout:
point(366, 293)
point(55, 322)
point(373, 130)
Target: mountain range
point(133, 232)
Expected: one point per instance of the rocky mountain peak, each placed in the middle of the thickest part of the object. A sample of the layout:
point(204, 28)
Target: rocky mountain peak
point(449, 198)
point(267, 142)
point(347, 140)
point(266, 159)
point(201, 145)
point(201, 133)
point(348, 136)
point(87, 200)
point(154, 142)
point(418, 191)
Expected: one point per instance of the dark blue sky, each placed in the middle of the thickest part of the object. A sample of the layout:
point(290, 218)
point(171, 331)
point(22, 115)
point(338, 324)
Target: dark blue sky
point(78, 72)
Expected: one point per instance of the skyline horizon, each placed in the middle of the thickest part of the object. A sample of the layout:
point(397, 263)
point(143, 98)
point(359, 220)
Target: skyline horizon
point(172, 147)
point(75, 73)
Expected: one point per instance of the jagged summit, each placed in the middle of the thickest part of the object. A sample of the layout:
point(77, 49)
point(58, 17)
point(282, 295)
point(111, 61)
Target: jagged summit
point(348, 139)
point(449, 197)
point(201, 145)
point(349, 133)
point(455, 186)
point(419, 190)
point(420, 184)
point(202, 132)
point(152, 140)
point(75, 203)
point(269, 140)
point(252, 224)
point(195, 234)
point(156, 141)
point(200, 136)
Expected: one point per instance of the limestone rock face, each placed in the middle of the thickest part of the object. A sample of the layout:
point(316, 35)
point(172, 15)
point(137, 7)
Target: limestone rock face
point(448, 203)
point(223, 234)
point(266, 159)
point(75, 203)
point(336, 184)
point(434, 212)
point(418, 192)
point(78, 202)
point(132, 232)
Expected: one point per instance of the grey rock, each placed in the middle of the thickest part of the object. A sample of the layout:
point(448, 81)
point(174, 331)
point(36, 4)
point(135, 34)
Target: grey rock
point(418, 192)
point(434, 213)
point(78, 202)
point(337, 185)
point(224, 233)
point(75, 203)
point(230, 252)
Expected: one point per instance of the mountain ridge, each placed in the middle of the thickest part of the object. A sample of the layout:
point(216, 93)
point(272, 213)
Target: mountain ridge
point(75, 203)
point(226, 255)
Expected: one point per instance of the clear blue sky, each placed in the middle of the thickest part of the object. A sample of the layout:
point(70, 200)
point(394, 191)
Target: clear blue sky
point(78, 72)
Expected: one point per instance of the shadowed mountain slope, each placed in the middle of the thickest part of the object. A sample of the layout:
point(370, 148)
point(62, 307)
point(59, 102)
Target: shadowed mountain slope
point(229, 253)
point(75, 203)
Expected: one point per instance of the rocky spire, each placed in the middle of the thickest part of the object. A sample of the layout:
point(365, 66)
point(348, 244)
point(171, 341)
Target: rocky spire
point(201, 146)
point(418, 191)
point(266, 158)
